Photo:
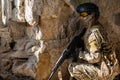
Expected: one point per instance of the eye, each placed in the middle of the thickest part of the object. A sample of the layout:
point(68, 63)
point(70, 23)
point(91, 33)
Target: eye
point(83, 14)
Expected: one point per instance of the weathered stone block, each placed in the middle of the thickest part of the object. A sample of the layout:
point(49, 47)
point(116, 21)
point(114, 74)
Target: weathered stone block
point(18, 11)
point(6, 10)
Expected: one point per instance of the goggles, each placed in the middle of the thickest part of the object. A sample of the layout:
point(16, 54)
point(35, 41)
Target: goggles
point(84, 14)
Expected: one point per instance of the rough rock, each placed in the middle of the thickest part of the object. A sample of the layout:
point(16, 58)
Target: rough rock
point(33, 33)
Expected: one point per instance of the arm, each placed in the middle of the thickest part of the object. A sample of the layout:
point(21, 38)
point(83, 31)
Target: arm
point(95, 40)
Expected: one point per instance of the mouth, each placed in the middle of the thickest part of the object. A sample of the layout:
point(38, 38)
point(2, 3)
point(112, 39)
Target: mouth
point(88, 18)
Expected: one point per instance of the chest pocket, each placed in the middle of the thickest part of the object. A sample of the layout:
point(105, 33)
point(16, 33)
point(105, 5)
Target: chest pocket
point(94, 40)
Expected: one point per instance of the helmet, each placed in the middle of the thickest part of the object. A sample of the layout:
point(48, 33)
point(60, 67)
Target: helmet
point(87, 9)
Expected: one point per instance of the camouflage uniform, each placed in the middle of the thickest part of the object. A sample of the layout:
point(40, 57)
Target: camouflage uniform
point(99, 59)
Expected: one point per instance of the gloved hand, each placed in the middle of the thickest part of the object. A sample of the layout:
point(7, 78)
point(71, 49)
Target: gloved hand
point(81, 54)
point(75, 55)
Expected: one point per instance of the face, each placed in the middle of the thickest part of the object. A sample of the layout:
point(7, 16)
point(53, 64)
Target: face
point(86, 19)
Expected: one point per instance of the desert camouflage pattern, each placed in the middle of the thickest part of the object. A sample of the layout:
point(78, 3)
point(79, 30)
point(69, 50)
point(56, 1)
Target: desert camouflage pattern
point(99, 59)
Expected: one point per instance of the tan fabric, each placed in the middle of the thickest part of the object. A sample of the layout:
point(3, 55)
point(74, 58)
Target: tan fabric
point(101, 62)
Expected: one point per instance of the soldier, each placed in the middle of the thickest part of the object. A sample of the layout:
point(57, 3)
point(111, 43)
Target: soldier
point(98, 59)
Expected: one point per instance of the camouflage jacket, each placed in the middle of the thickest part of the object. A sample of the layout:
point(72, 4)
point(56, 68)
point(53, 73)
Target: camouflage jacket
point(100, 51)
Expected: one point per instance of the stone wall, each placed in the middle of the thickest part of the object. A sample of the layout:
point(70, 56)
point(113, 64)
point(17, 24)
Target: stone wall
point(59, 18)
point(33, 33)
point(20, 38)
point(29, 28)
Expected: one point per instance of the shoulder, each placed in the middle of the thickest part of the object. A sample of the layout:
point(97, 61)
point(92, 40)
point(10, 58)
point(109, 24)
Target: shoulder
point(95, 28)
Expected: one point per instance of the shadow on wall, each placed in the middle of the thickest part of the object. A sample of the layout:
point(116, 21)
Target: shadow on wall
point(117, 18)
point(116, 22)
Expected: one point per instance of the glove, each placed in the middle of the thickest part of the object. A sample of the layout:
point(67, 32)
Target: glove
point(81, 54)
point(75, 55)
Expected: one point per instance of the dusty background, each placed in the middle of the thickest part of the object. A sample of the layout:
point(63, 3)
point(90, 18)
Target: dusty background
point(33, 34)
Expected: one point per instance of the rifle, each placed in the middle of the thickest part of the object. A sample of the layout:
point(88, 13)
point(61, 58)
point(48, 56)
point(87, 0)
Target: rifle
point(69, 52)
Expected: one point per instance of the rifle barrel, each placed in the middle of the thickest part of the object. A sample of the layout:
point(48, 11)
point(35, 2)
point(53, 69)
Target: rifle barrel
point(58, 63)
